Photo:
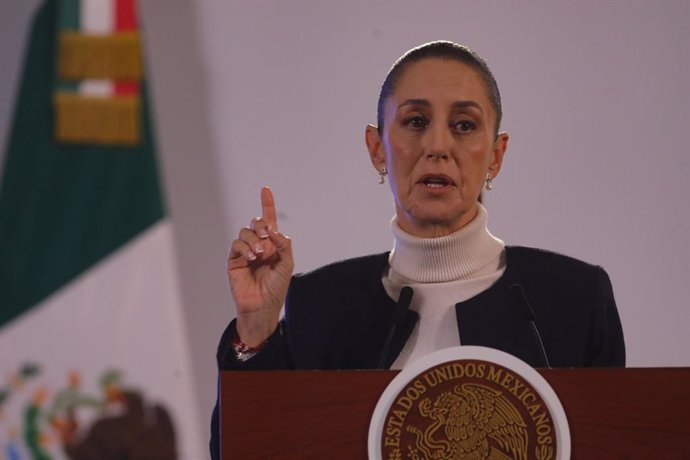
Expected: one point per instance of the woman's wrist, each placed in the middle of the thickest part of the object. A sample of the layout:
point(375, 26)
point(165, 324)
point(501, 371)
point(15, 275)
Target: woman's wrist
point(244, 352)
point(253, 331)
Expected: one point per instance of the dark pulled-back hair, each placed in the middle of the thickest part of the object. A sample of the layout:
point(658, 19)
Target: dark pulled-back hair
point(444, 50)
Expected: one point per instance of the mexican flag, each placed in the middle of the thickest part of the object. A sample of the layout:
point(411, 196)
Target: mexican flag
point(94, 362)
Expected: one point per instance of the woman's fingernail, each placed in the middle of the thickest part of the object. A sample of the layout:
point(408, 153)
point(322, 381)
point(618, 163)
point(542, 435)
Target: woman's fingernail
point(258, 248)
point(263, 234)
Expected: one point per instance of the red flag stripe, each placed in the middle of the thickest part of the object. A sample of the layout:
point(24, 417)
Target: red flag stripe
point(125, 87)
point(125, 20)
point(125, 15)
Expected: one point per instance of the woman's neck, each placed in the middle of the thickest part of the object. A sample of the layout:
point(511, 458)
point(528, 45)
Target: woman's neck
point(468, 253)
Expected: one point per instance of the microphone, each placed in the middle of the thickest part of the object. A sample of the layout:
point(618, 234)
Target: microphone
point(521, 299)
point(396, 320)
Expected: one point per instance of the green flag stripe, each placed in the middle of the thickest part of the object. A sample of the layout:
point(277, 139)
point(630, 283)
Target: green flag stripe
point(71, 86)
point(68, 14)
point(64, 208)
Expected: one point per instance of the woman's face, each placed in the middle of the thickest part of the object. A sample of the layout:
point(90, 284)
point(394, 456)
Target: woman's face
point(438, 145)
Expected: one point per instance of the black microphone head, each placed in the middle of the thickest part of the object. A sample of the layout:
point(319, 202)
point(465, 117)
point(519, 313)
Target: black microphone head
point(404, 301)
point(405, 296)
point(520, 298)
point(397, 317)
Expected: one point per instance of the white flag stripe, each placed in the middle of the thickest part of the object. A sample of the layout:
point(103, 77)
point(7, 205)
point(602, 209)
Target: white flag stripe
point(97, 16)
point(125, 313)
point(97, 88)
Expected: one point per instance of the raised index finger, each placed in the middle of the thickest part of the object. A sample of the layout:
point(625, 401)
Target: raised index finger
point(268, 208)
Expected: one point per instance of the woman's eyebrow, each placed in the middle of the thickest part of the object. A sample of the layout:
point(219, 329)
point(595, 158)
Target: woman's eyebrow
point(455, 105)
point(422, 102)
point(466, 104)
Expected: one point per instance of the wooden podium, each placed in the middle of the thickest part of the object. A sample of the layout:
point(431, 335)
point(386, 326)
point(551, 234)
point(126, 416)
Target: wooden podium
point(613, 414)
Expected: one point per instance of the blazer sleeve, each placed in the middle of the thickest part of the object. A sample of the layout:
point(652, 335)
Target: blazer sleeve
point(273, 356)
point(607, 345)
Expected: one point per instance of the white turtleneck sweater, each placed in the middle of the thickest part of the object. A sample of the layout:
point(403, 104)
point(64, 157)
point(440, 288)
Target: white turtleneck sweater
point(442, 272)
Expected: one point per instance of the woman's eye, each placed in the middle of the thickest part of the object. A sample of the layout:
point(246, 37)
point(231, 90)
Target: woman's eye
point(465, 126)
point(417, 122)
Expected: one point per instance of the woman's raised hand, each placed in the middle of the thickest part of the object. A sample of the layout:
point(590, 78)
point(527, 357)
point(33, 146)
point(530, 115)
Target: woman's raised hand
point(260, 266)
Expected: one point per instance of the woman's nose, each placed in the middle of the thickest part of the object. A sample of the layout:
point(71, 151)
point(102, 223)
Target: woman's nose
point(439, 143)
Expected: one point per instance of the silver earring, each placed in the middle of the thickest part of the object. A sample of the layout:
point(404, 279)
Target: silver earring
point(488, 183)
point(382, 175)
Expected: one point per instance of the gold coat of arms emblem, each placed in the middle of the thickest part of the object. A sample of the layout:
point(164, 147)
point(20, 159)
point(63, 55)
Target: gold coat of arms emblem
point(468, 409)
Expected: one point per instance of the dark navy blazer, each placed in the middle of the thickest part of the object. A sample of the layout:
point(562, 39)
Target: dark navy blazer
point(338, 316)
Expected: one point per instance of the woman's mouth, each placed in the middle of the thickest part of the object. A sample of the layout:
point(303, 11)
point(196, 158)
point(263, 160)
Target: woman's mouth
point(436, 181)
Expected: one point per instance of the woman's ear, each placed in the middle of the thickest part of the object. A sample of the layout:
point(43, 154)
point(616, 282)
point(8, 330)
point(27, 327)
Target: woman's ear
point(499, 151)
point(377, 154)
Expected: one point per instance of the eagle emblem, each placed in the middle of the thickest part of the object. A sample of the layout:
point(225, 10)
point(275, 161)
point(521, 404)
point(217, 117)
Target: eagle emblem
point(470, 422)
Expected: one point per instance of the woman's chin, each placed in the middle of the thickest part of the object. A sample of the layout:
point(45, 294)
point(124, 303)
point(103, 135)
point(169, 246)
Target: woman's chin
point(431, 217)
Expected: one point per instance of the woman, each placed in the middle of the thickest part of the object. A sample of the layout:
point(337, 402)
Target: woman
point(438, 144)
